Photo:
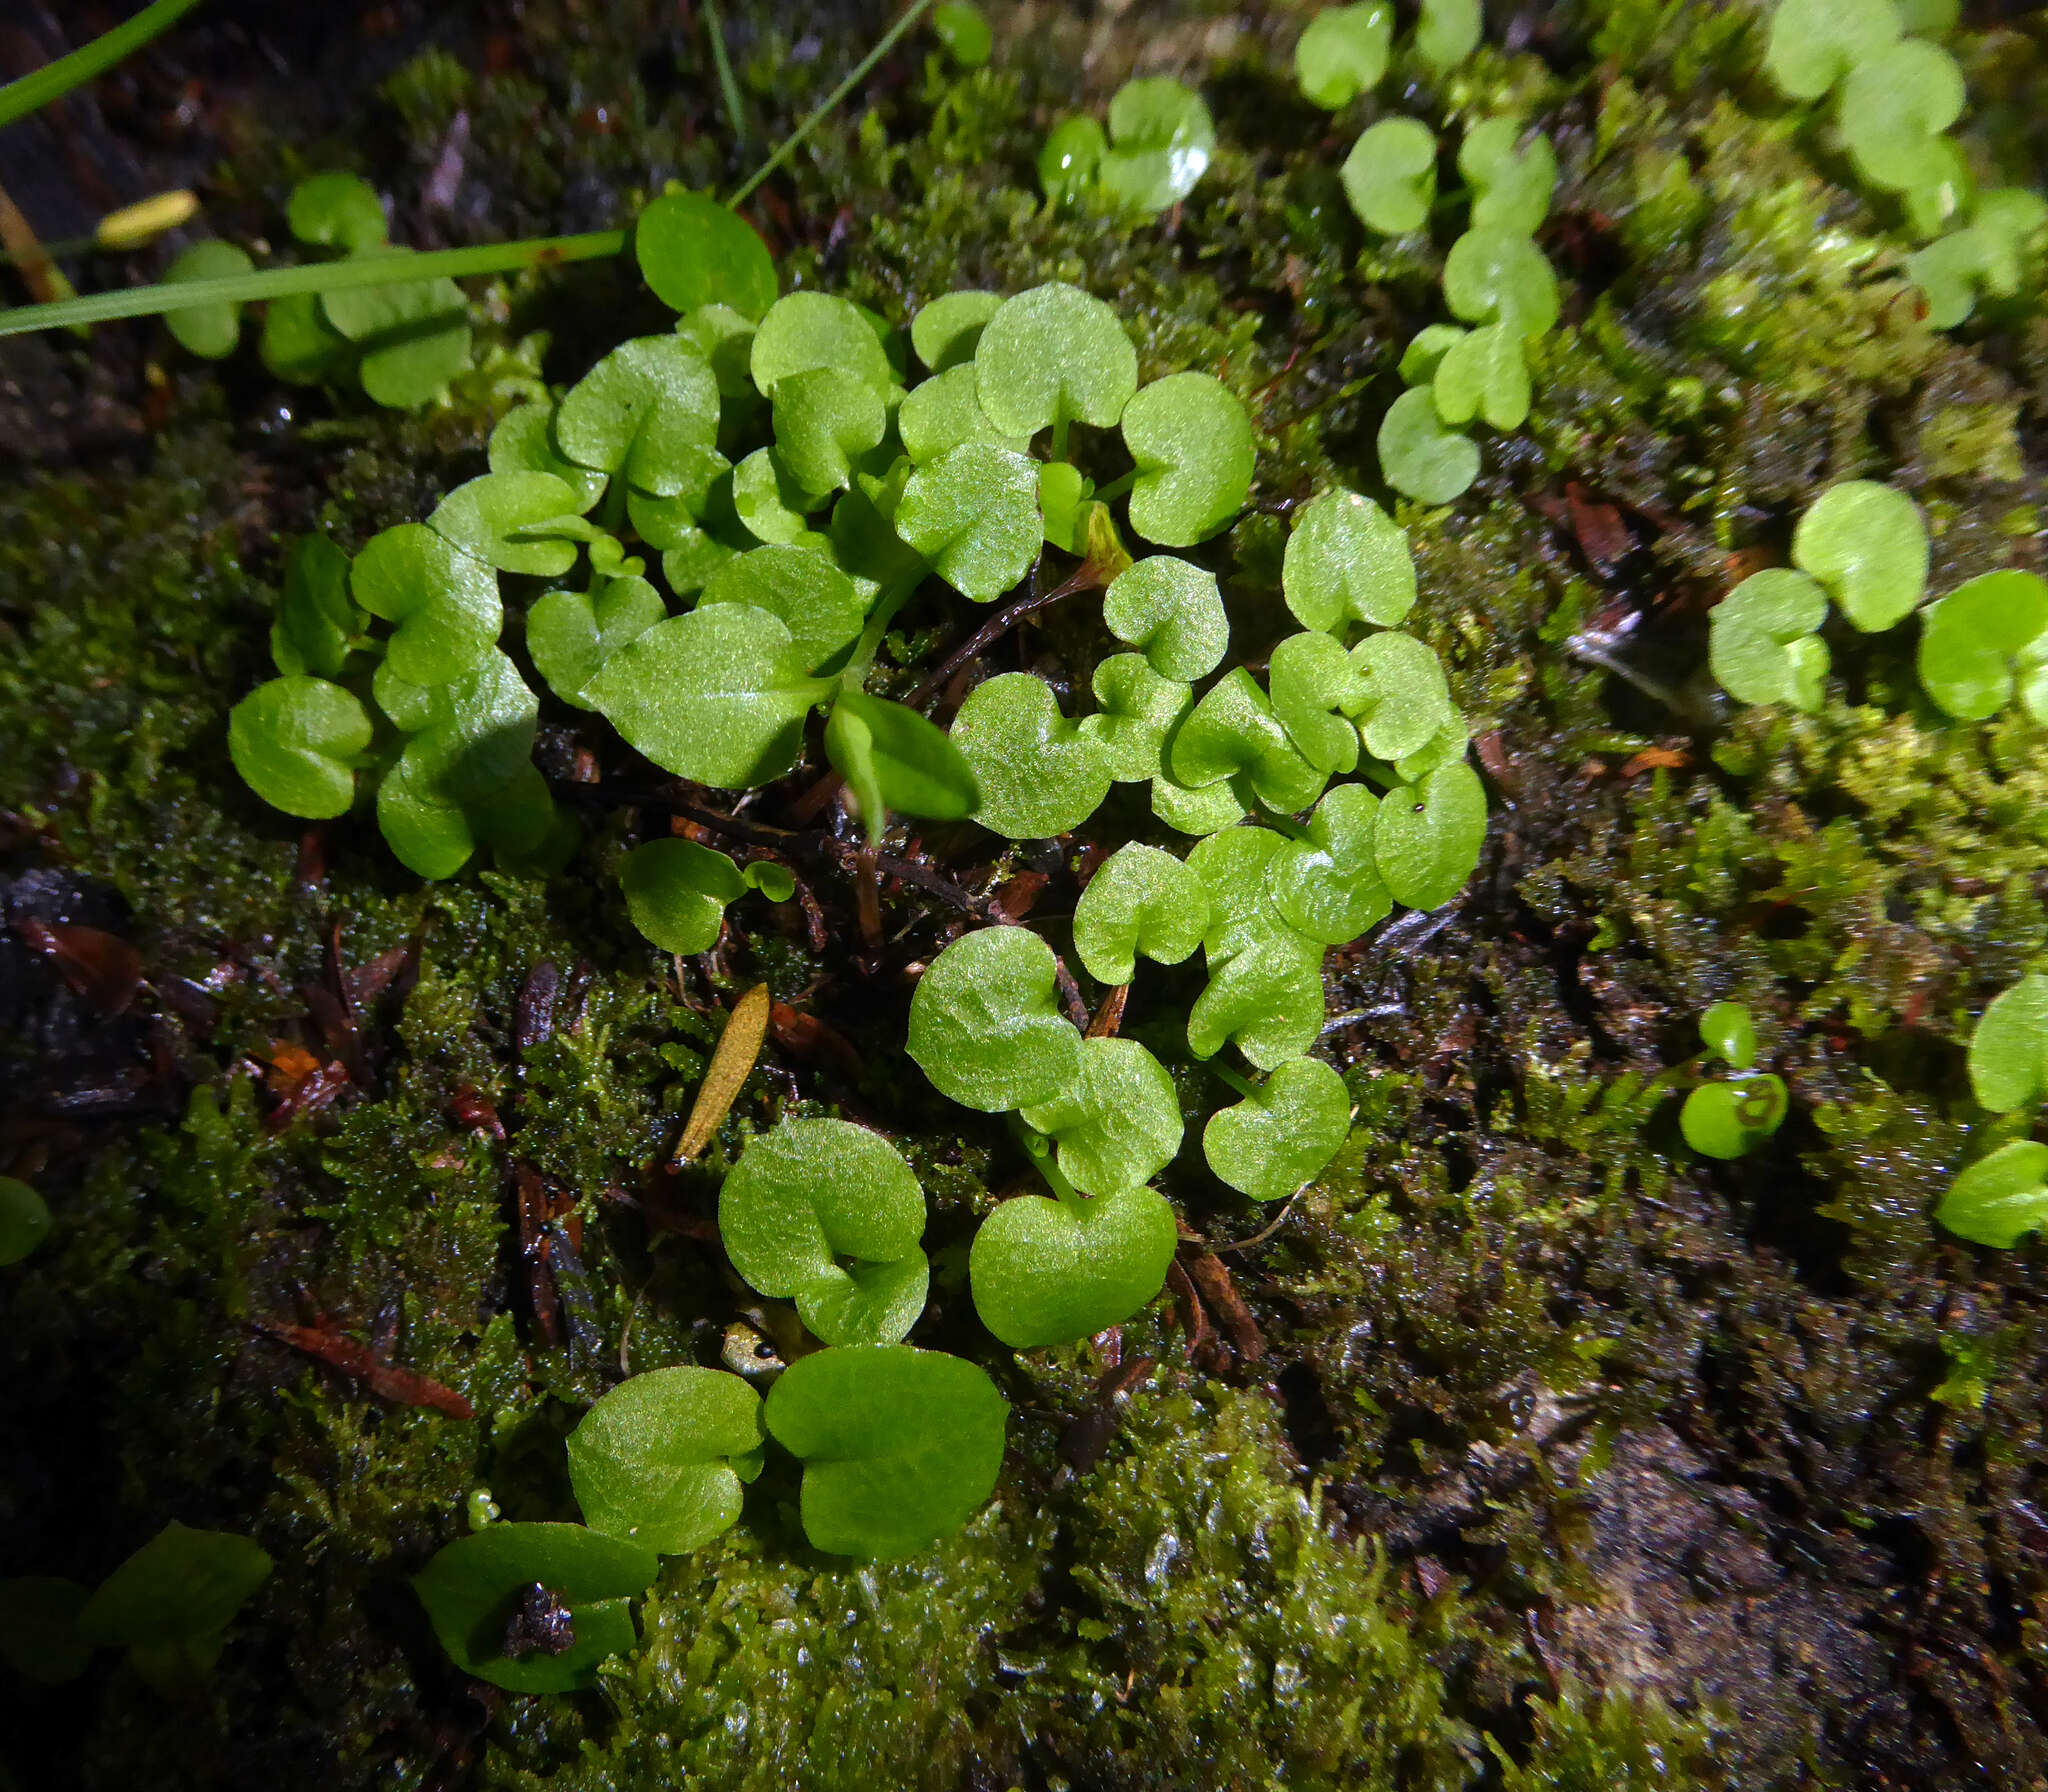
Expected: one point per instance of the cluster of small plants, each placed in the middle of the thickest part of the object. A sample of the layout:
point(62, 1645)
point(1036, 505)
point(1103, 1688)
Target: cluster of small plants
point(1158, 145)
point(1731, 1116)
point(1896, 94)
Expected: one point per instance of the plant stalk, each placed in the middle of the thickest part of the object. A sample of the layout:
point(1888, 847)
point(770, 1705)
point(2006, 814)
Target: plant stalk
point(55, 79)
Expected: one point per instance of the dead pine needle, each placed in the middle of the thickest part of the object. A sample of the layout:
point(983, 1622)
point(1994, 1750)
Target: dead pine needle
point(738, 1047)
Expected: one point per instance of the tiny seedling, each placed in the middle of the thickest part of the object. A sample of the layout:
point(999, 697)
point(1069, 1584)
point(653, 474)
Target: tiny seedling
point(659, 1460)
point(1073, 151)
point(1328, 887)
point(677, 891)
point(1390, 175)
point(170, 1603)
point(1867, 543)
point(1999, 1199)
point(1172, 612)
point(1343, 53)
point(25, 1219)
point(1763, 640)
point(1141, 902)
point(1283, 1133)
point(1494, 275)
point(1731, 1119)
point(1347, 561)
point(1048, 1271)
point(1447, 32)
point(828, 1214)
point(1117, 1125)
point(1815, 43)
point(1727, 1031)
point(1983, 640)
point(1052, 356)
point(2009, 1047)
point(1161, 138)
point(1192, 443)
point(1427, 836)
point(899, 1446)
point(1511, 183)
point(985, 1023)
point(478, 1589)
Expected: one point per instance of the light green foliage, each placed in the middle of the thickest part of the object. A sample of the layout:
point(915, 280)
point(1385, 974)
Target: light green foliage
point(1984, 638)
point(1814, 43)
point(1329, 887)
point(825, 421)
point(1160, 140)
point(1063, 498)
point(985, 1024)
point(412, 336)
point(212, 330)
point(1316, 690)
point(1073, 151)
point(648, 410)
point(1485, 374)
point(25, 1219)
point(899, 1446)
point(516, 522)
point(1136, 712)
point(1999, 1199)
point(964, 29)
point(570, 634)
point(171, 1601)
point(1192, 443)
point(1727, 1031)
point(471, 1588)
point(1428, 835)
point(1731, 1119)
point(1390, 175)
point(524, 442)
point(948, 330)
point(1494, 275)
point(1867, 543)
point(317, 626)
point(768, 501)
point(1118, 1125)
point(1141, 901)
point(1265, 991)
point(1763, 640)
point(973, 514)
point(336, 210)
point(1172, 612)
point(1511, 185)
point(806, 331)
point(1054, 355)
point(1039, 773)
point(442, 602)
point(829, 1215)
point(893, 759)
point(1403, 702)
point(2009, 1047)
point(1425, 354)
point(1606, 1741)
point(943, 412)
point(804, 591)
point(1419, 455)
point(1447, 32)
point(1233, 730)
point(297, 743)
point(1283, 1133)
point(1996, 255)
point(659, 1460)
point(1347, 561)
point(677, 891)
point(1895, 103)
point(1049, 1272)
point(1342, 52)
point(693, 251)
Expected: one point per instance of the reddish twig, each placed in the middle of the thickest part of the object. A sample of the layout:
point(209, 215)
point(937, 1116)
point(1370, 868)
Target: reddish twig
point(403, 1387)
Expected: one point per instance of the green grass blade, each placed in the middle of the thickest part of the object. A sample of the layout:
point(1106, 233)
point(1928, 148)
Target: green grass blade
point(19, 98)
point(729, 88)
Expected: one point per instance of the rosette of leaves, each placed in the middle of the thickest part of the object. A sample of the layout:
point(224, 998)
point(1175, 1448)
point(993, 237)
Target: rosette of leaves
point(678, 891)
point(1158, 145)
point(1731, 1117)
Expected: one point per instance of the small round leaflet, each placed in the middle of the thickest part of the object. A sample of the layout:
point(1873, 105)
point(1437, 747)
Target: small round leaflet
point(1427, 837)
point(1867, 544)
point(1172, 611)
point(1763, 640)
point(1160, 140)
point(1343, 53)
point(1039, 774)
point(24, 1220)
point(1390, 175)
point(1982, 639)
point(1118, 1125)
point(1422, 458)
point(1283, 1133)
point(1999, 1199)
point(2009, 1048)
point(985, 1023)
point(693, 251)
point(1054, 354)
point(1048, 1272)
point(653, 1460)
point(1193, 446)
point(1347, 561)
point(296, 742)
point(1140, 901)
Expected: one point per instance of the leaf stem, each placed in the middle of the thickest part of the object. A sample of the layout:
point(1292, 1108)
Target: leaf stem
point(728, 88)
point(1224, 1074)
point(318, 276)
point(55, 79)
point(794, 140)
point(1116, 488)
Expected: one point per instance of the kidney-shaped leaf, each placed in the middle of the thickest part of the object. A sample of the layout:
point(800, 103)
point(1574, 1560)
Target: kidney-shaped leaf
point(806, 331)
point(505, 520)
point(316, 623)
point(1347, 561)
point(1420, 455)
point(1895, 104)
point(336, 210)
point(677, 892)
point(413, 335)
point(1867, 544)
point(1390, 175)
point(1049, 1272)
point(1814, 43)
point(1268, 1000)
point(1054, 354)
point(1118, 1125)
point(1485, 374)
point(1405, 701)
point(477, 732)
point(1160, 140)
point(1343, 53)
point(1039, 774)
point(2009, 1048)
point(1316, 690)
point(899, 1446)
point(1233, 729)
point(1427, 836)
point(825, 420)
point(212, 330)
point(652, 1461)
point(1136, 712)
point(1283, 1133)
point(443, 601)
point(1171, 611)
point(947, 330)
point(1496, 276)
point(1140, 901)
point(810, 596)
point(1511, 186)
point(524, 442)
point(1999, 1199)
point(297, 742)
point(1762, 640)
point(1233, 866)
point(648, 410)
point(1193, 444)
point(693, 251)
point(570, 634)
point(1328, 887)
point(985, 1023)
point(1981, 638)
point(945, 411)
point(181, 1586)
point(973, 515)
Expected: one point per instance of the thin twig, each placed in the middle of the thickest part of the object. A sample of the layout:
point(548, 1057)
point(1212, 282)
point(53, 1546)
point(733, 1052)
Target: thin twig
point(1260, 1237)
point(992, 631)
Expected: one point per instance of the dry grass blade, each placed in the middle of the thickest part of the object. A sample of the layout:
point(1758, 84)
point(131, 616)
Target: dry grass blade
point(738, 1046)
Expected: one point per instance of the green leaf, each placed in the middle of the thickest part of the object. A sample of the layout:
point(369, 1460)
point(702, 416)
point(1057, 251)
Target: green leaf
point(1347, 561)
point(825, 420)
point(899, 1446)
point(1895, 103)
point(1140, 900)
point(719, 695)
point(1425, 353)
point(211, 331)
point(1999, 1199)
point(1172, 612)
point(1447, 32)
point(1763, 641)
point(985, 1024)
point(1190, 811)
point(829, 1215)
point(1390, 175)
point(689, 565)
point(473, 1588)
point(1420, 458)
point(413, 335)
point(1315, 691)
point(299, 345)
point(810, 596)
point(946, 332)
point(1136, 712)
point(1329, 887)
point(693, 251)
point(973, 515)
point(943, 412)
point(1980, 639)
point(1052, 355)
point(443, 602)
point(297, 743)
point(724, 337)
point(1484, 374)
point(1343, 53)
point(1496, 276)
point(1232, 865)
point(1233, 729)
point(648, 410)
point(570, 634)
point(1269, 1002)
point(2009, 1048)
point(1118, 1124)
point(1072, 155)
point(864, 539)
point(769, 500)
point(478, 733)
point(24, 1222)
point(651, 1461)
point(1283, 1134)
point(1727, 1031)
point(180, 1586)
point(1731, 1119)
point(1814, 43)
point(1051, 1272)
point(1160, 140)
point(917, 769)
point(1511, 187)
point(1039, 773)
point(524, 442)
point(1064, 501)
point(1428, 836)
point(39, 1636)
point(1867, 544)
point(337, 210)
point(1404, 702)
point(1193, 446)
point(964, 30)
point(504, 520)
point(677, 892)
point(806, 331)
point(429, 834)
point(316, 624)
